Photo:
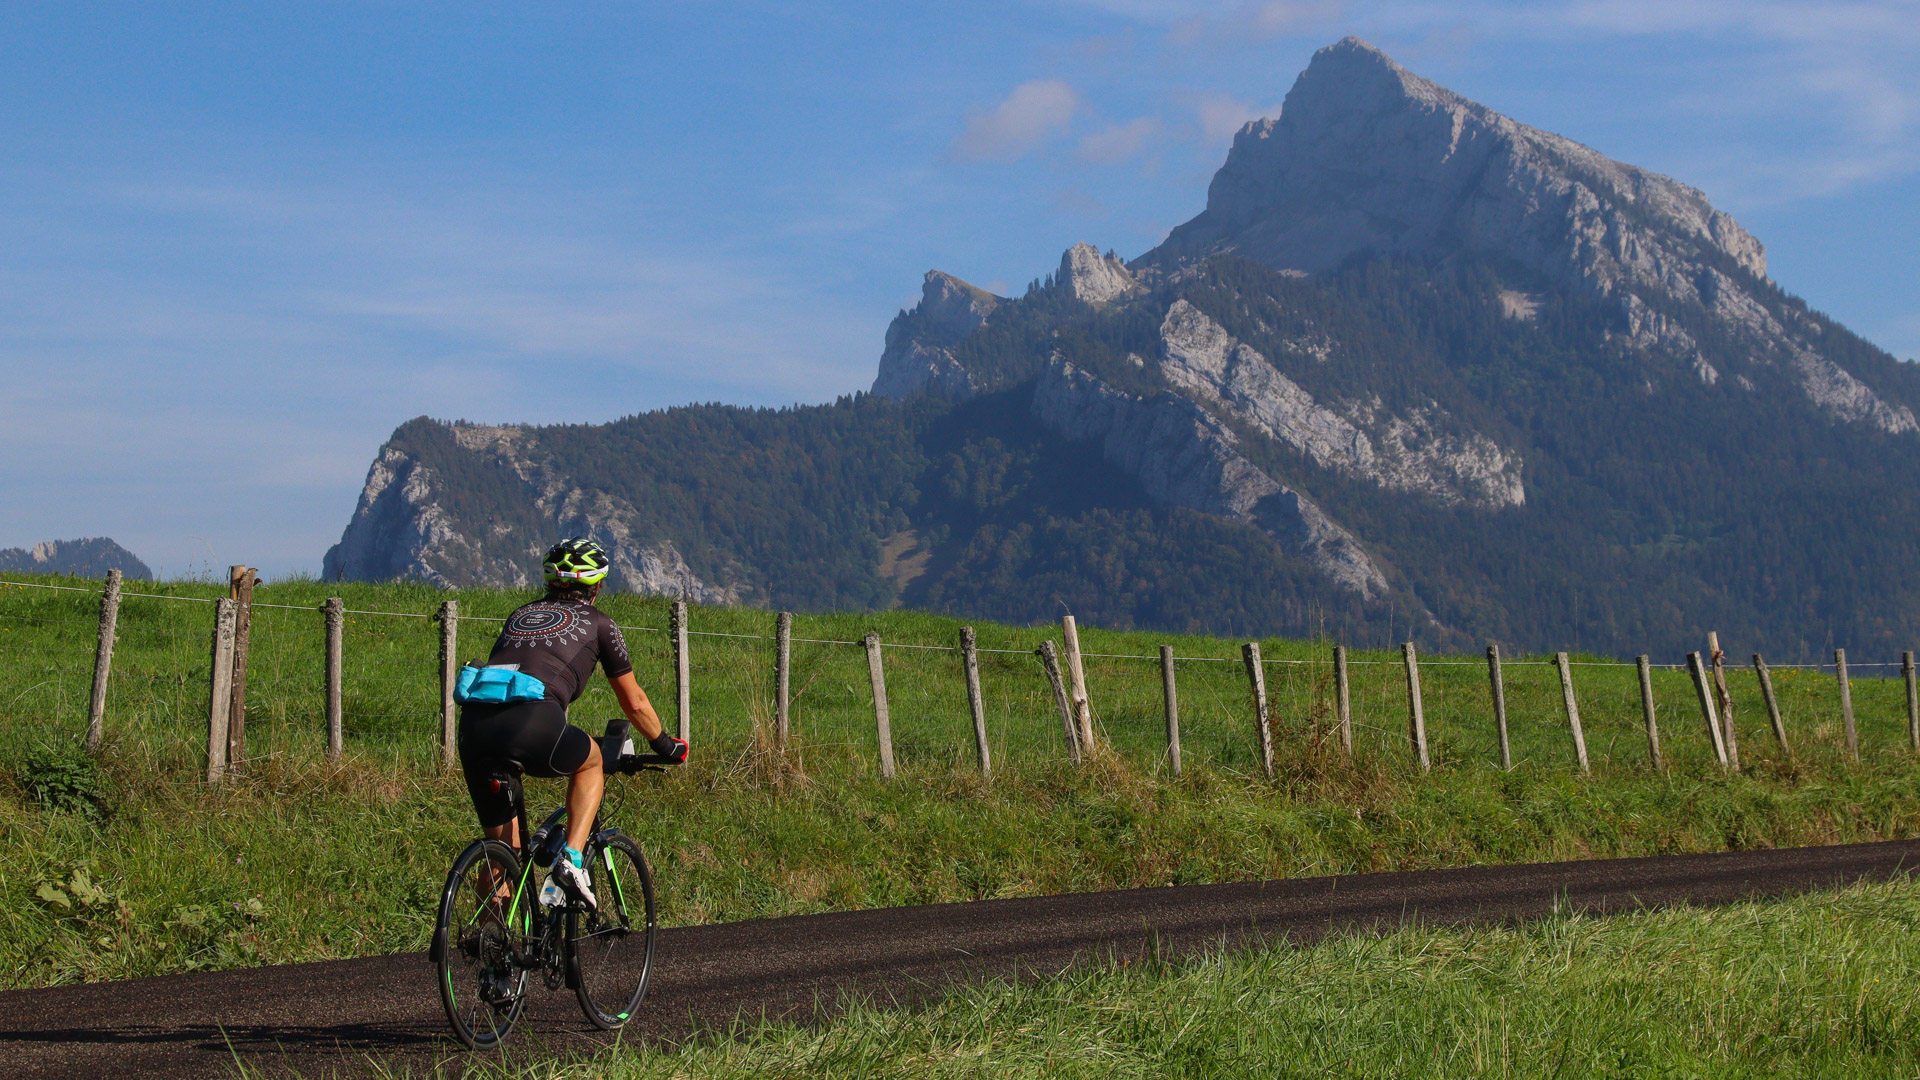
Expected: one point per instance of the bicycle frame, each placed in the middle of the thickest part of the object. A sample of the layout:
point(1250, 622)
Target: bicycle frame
point(532, 950)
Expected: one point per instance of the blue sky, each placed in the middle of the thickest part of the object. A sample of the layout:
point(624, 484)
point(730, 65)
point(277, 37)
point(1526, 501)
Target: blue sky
point(239, 243)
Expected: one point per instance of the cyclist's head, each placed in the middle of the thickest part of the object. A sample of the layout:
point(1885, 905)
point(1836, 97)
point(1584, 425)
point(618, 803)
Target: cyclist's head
point(575, 567)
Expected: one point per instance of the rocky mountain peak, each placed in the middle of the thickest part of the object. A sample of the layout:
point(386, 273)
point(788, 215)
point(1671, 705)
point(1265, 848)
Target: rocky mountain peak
point(953, 308)
point(918, 354)
point(1370, 78)
point(1366, 156)
point(1093, 277)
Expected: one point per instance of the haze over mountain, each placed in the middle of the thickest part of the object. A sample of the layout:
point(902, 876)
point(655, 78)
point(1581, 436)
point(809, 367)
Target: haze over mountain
point(1416, 367)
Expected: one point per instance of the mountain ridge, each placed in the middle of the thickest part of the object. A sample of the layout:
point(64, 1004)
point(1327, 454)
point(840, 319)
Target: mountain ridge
point(1415, 365)
point(90, 556)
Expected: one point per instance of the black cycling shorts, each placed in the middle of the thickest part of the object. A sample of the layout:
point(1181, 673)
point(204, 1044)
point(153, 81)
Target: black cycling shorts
point(500, 741)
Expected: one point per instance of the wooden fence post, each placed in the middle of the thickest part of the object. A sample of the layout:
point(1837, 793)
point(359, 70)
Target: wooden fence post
point(1416, 711)
point(103, 661)
point(1846, 705)
point(1704, 694)
point(1773, 704)
point(1170, 695)
point(1257, 681)
point(1077, 674)
point(1050, 662)
point(1573, 711)
point(682, 671)
point(449, 618)
point(1913, 701)
point(1723, 700)
point(240, 583)
point(782, 669)
point(335, 613)
point(1343, 699)
point(1497, 685)
point(880, 718)
point(1646, 708)
point(1172, 704)
point(970, 656)
point(219, 690)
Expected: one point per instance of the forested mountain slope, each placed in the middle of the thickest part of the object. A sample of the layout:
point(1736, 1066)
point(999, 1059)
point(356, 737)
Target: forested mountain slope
point(1417, 368)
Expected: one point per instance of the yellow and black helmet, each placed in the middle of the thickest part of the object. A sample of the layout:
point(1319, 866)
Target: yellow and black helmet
point(575, 560)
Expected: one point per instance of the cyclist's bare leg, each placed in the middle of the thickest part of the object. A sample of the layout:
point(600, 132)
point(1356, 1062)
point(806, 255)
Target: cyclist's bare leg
point(487, 880)
point(584, 789)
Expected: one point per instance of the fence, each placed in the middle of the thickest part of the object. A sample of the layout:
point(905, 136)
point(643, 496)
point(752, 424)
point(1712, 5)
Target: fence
point(208, 683)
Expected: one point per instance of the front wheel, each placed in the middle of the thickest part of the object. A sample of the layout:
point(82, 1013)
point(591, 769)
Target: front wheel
point(611, 949)
point(483, 912)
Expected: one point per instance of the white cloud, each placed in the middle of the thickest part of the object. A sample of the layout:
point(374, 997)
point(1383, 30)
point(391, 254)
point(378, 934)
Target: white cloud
point(1032, 114)
point(1847, 69)
point(1118, 143)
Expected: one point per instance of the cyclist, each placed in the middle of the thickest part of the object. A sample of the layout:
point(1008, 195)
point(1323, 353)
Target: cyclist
point(557, 639)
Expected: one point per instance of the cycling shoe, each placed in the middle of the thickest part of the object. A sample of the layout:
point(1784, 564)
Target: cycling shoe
point(574, 880)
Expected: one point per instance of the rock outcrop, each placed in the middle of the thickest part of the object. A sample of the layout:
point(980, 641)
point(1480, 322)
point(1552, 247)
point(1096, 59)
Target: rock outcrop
point(1184, 456)
point(1424, 451)
point(1366, 156)
point(919, 351)
point(1095, 278)
point(403, 526)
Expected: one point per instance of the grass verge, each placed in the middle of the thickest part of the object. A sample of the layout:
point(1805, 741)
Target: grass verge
point(1815, 986)
point(302, 862)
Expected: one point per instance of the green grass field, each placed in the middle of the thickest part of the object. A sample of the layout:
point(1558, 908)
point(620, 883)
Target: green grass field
point(157, 700)
point(1816, 986)
point(130, 865)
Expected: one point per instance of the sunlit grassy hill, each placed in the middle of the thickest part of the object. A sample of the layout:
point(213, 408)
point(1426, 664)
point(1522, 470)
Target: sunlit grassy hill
point(298, 859)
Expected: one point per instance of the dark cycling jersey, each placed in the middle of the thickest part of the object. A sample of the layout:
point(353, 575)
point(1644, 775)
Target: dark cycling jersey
point(558, 642)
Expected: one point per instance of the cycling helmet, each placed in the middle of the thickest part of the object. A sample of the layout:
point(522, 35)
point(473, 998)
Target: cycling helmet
point(575, 560)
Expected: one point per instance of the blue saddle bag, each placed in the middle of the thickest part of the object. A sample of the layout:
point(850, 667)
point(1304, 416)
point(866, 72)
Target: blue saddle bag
point(496, 686)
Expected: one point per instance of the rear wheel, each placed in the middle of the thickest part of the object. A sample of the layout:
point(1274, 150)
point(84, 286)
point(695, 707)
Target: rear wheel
point(611, 949)
point(482, 915)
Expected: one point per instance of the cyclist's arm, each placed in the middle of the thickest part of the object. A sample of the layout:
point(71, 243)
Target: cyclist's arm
point(633, 701)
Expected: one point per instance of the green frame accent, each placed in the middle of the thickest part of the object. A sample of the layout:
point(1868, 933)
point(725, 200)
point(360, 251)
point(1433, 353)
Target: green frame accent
point(519, 891)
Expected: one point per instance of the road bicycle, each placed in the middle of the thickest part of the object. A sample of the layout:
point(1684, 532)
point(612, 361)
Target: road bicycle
point(494, 933)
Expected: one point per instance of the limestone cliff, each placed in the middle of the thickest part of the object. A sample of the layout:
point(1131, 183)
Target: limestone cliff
point(1183, 456)
point(1368, 158)
point(919, 352)
point(409, 523)
point(1425, 451)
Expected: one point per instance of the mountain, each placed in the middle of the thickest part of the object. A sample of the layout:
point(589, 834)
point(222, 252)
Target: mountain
point(1416, 368)
point(91, 557)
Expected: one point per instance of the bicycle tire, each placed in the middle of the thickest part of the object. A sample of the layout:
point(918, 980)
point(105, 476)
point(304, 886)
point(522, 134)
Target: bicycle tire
point(610, 950)
point(481, 988)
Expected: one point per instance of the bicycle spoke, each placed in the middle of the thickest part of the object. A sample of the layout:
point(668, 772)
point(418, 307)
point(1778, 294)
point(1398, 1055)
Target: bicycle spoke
point(612, 949)
point(481, 987)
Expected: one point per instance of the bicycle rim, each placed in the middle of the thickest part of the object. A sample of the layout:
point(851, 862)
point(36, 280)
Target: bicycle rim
point(611, 949)
point(481, 988)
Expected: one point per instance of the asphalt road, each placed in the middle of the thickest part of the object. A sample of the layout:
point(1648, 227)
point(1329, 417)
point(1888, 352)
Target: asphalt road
point(338, 1018)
